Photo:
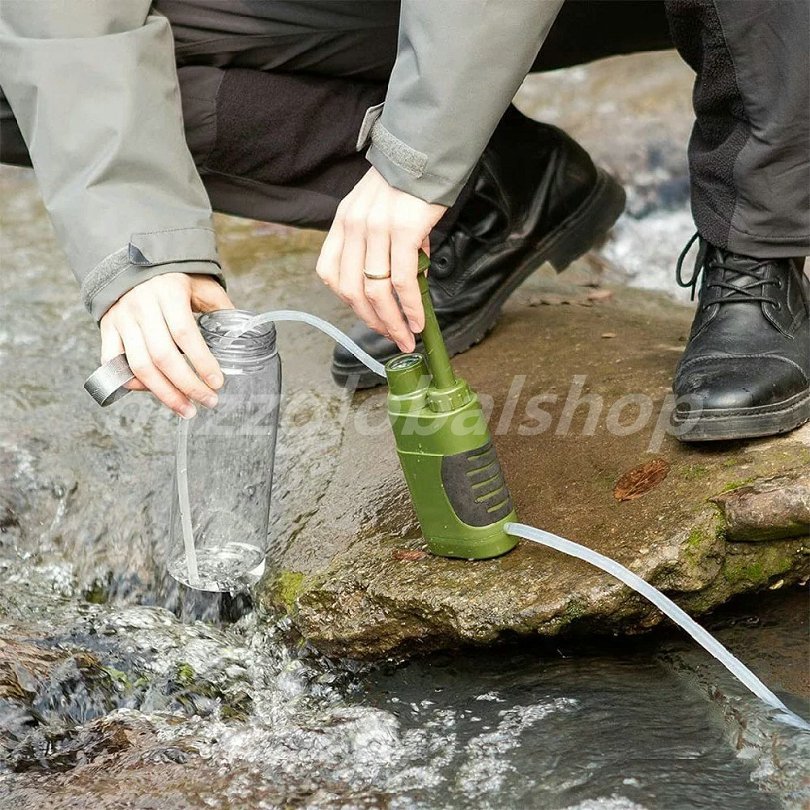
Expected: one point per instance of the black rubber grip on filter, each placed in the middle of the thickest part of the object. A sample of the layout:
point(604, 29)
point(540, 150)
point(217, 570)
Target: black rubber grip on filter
point(475, 486)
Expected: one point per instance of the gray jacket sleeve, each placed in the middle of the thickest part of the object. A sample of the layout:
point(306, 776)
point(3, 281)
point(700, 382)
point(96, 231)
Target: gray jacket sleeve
point(459, 63)
point(94, 88)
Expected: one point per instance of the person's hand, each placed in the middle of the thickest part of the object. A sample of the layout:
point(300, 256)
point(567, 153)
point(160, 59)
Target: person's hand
point(380, 229)
point(153, 323)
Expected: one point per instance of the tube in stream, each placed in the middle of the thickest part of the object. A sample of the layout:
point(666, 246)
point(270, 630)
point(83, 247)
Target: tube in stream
point(668, 608)
point(744, 675)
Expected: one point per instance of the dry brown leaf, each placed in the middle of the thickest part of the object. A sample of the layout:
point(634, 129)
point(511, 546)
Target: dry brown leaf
point(409, 554)
point(634, 483)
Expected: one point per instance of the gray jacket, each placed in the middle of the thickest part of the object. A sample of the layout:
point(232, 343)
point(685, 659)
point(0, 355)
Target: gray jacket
point(93, 86)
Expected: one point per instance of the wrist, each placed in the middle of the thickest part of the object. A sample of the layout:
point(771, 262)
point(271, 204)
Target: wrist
point(131, 276)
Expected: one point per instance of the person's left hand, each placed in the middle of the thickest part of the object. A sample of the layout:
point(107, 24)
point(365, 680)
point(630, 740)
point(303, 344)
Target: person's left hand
point(380, 229)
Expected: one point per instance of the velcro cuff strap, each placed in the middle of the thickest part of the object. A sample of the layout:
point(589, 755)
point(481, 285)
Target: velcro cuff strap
point(177, 245)
point(410, 160)
point(369, 119)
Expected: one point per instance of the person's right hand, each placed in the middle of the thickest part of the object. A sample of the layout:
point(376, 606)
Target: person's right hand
point(153, 323)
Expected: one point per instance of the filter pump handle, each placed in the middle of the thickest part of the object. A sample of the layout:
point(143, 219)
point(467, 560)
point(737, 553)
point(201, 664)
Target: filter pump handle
point(435, 351)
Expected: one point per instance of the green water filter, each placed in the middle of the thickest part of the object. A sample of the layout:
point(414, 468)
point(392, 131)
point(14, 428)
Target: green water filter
point(446, 451)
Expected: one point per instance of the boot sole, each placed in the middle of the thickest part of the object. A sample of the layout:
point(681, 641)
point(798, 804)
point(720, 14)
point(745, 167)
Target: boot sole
point(573, 238)
point(745, 423)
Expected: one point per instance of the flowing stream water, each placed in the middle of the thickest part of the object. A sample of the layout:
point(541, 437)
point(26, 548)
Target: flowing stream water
point(119, 689)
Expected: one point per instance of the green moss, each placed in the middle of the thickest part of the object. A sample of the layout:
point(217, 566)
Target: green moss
point(574, 609)
point(97, 593)
point(696, 538)
point(702, 540)
point(694, 472)
point(119, 678)
point(695, 544)
point(770, 562)
point(747, 572)
point(185, 675)
point(236, 707)
point(737, 484)
point(287, 588)
point(196, 695)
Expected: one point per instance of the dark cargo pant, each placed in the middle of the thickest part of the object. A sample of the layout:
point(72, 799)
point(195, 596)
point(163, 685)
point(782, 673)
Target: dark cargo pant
point(274, 93)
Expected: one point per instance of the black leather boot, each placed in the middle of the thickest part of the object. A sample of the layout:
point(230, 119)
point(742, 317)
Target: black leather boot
point(746, 368)
point(535, 197)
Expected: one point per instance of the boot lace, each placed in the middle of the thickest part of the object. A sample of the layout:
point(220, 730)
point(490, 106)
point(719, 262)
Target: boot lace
point(753, 290)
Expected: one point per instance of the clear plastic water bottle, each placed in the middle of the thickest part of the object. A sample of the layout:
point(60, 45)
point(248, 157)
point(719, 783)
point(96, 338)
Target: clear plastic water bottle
point(227, 454)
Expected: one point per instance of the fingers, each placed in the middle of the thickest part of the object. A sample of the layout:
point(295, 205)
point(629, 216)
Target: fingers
point(328, 266)
point(152, 323)
point(348, 286)
point(380, 228)
point(166, 357)
point(404, 273)
point(186, 335)
point(112, 346)
point(351, 284)
point(208, 295)
point(140, 361)
point(379, 292)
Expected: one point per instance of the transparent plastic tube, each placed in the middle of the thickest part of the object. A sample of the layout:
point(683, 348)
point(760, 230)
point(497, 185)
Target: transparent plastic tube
point(185, 503)
point(319, 323)
point(666, 606)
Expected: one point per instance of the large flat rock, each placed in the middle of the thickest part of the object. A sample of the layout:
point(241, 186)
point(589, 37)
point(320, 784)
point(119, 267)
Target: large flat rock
point(351, 570)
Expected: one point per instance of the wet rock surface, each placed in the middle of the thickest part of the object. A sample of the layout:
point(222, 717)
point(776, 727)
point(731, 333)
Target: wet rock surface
point(685, 526)
point(768, 509)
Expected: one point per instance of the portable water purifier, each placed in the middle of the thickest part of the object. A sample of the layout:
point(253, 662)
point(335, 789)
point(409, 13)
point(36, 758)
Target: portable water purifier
point(445, 449)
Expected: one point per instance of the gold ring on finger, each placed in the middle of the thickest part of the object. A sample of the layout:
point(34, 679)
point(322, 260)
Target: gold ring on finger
point(377, 276)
